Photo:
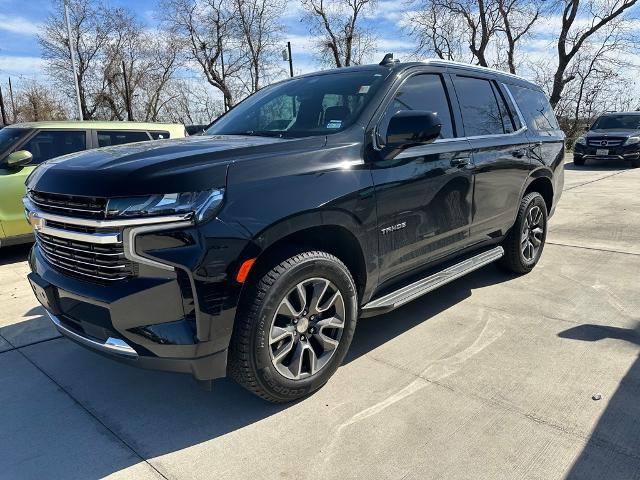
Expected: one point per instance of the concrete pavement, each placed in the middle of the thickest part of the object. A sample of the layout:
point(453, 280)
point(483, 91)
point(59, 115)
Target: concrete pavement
point(489, 377)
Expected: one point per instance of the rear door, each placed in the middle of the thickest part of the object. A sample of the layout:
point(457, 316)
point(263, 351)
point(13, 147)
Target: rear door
point(547, 139)
point(500, 147)
point(424, 194)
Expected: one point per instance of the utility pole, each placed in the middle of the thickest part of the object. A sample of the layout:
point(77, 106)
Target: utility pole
point(127, 94)
point(73, 58)
point(13, 103)
point(290, 58)
point(224, 96)
point(2, 110)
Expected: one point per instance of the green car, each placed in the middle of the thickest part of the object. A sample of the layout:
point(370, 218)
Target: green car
point(23, 146)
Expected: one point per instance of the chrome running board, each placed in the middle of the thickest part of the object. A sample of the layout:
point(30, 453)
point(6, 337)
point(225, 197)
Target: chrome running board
point(414, 290)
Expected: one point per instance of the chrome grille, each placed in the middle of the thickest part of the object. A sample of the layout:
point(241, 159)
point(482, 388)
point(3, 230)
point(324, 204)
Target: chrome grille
point(75, 206)
point(605, 142)
point(84, 259)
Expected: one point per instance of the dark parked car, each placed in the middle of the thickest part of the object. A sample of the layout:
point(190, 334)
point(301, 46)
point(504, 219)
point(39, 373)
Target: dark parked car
point(252, 251)
point(613, 136)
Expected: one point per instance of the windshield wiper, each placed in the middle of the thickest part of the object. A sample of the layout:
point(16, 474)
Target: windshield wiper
point(258, 133)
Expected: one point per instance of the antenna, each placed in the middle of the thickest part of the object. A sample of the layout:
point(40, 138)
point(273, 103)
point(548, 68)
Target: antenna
point(388, 59)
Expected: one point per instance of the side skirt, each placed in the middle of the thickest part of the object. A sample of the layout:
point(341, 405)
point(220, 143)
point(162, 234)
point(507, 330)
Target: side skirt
point(414, 290)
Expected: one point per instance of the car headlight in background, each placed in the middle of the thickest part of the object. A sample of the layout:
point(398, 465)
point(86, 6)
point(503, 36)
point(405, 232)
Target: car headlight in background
point(581, 141)
point(632, 140)
point(204, 205)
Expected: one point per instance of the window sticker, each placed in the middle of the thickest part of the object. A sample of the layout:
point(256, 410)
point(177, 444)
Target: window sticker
point(364, 89)
point(334, 124)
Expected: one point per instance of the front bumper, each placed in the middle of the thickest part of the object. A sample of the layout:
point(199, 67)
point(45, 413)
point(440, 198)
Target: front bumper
point(177, 319)
point(629, 152)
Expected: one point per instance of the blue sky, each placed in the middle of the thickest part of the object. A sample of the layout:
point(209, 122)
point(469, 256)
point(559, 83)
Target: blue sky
point(20, 52)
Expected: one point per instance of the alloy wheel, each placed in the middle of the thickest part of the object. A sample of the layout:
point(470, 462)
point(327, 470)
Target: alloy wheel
point(532, 233)
point(306, 328)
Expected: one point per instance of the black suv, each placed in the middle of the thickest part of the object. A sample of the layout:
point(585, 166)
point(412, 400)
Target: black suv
point(252, 251)
point(613, 136)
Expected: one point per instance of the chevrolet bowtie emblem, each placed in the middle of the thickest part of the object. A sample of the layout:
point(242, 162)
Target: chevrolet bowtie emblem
point(35, 220)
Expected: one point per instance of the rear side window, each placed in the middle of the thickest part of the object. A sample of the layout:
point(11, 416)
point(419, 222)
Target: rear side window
point(423, 92)
point(483, 110)
point(108, 138)
point(51, 144)
point(536, 109)
point(159, 135)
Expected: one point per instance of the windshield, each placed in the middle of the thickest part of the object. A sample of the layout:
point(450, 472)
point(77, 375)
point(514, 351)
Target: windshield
point(9, 136)
point(617, 122)
point(302, 107)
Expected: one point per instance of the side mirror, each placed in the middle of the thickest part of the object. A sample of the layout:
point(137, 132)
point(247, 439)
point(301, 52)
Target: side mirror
point(18, 159)
point(409, 128)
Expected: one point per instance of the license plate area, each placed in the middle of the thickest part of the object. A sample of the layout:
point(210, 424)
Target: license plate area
point(602, 152)
point(46, 293)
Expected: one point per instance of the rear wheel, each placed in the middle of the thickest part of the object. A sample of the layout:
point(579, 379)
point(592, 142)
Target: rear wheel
point(578, 161)
point(296, 327)
point(635, 163)
point(525, 242)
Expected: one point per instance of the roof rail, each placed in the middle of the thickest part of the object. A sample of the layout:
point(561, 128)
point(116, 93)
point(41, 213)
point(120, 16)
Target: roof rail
point(439, 61)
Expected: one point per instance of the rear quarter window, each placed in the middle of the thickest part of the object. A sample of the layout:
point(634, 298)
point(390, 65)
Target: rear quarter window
point(107, 138)
point(535, 108)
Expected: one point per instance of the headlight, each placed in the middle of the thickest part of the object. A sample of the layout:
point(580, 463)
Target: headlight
point(632, 140)
point(581, 141)
point(204, 205)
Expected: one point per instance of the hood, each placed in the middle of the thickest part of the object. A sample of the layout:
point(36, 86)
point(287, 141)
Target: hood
point(160, 166)
point(612, 133)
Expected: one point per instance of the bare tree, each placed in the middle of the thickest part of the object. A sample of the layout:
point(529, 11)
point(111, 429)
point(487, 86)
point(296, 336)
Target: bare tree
point(574, 34)
point(90, 30)
point(36, 102)
point(206, 28)
point(483, 28)
point(343, 39)
point(260, 31)
point(517, 19)
point(438, 33)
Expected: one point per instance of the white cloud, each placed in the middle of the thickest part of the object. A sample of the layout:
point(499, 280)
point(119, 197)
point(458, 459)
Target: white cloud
point(16, 65)
point(19, 25)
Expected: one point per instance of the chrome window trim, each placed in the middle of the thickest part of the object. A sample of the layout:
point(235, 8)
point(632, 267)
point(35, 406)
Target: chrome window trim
point(111, 345)
point(515, 105)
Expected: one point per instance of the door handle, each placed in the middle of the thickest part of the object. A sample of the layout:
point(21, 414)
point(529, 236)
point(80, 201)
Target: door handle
point(521, 152)
point(460, 162)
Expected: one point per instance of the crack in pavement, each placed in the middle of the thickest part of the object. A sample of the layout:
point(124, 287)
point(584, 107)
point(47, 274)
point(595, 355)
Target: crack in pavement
point(81, 405)
point(596, 180)
point(592, 248)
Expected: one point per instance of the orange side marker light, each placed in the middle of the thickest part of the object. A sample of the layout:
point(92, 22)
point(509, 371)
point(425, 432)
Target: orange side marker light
point(243, 272)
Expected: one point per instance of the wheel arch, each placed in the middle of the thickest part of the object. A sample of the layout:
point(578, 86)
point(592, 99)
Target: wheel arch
point(335, 232)
point(541, 181)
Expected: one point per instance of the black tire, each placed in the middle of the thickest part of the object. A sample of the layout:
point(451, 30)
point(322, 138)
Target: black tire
point(251, 358)
point(635, 163)
point(578, 162)
point(515, 259)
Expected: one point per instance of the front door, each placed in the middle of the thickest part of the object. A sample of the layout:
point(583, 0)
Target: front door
point(43, 145)
point(424, 194)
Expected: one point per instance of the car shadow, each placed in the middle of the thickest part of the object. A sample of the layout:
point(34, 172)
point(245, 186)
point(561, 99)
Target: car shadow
point(158, 413)
point(14, 254)
point(611, 451)
point(598, 166)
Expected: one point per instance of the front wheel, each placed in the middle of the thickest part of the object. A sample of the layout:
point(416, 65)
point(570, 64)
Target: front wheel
point(578, 161)
point(525, 242)
point(295, 328)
